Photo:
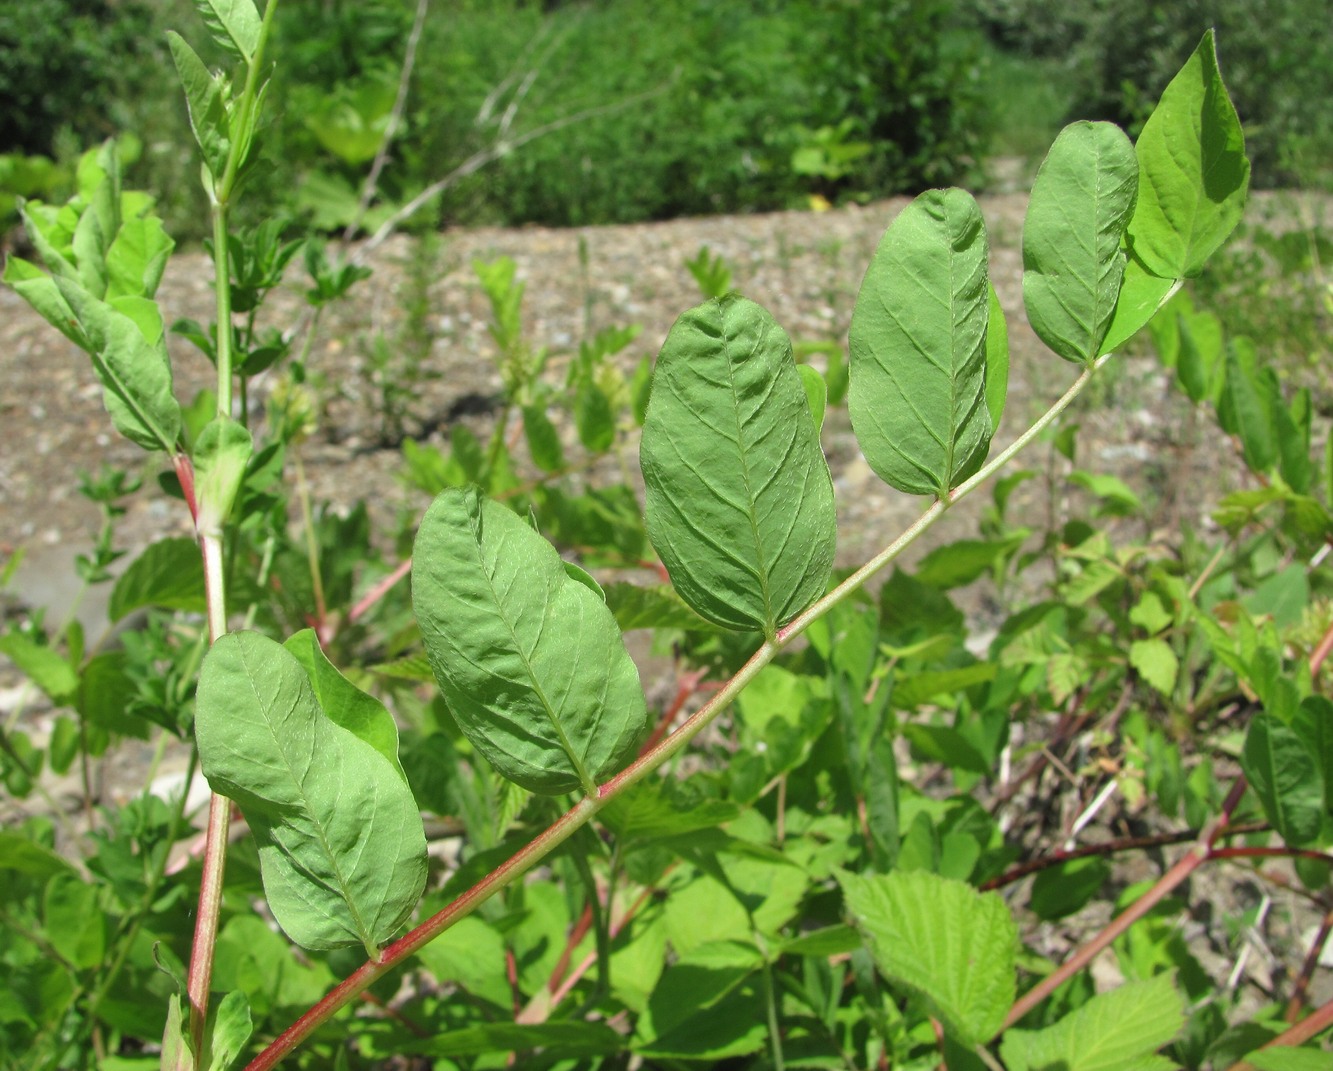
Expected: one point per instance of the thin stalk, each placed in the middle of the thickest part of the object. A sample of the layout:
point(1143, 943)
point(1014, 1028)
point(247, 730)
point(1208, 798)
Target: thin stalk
point(311, 546)
point(583, 811)
point(200, 977)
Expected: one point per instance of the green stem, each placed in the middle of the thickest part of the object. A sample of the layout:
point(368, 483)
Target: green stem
point(222, 296)
point(583, 812)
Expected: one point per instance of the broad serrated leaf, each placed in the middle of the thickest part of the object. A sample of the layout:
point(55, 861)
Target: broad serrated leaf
point(942, 939)
point(1072, 261)
point(169, 573)
point(1285, 777)
point(918, 347)
point(529, 659)
point(1287, 1058)
point(1193, 173)
point(233, 24)
point(1156, 663)
point(1115, 1031)
point(344, 703)
point(341, 847)
point(135, 373)
point(739, 501)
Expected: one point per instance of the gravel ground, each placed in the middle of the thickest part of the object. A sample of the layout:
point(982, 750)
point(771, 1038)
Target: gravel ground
point(805, 267)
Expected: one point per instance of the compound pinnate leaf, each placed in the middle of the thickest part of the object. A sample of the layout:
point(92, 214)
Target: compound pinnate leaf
point(1193, 173)
point(942, 939)
point(918, 347)
point(530, 660)
point(739, 501)
point(1095, 1038)
point(341, 846)
point(1072, 261)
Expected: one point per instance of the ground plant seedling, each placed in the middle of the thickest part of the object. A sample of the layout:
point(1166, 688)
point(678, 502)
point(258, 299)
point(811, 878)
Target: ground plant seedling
point(448, 827)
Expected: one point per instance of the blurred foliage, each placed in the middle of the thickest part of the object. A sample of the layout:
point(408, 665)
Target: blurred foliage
point(1118, 55)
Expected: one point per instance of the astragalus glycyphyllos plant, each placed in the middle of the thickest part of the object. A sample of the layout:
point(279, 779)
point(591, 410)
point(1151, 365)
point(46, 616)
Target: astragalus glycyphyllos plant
point(817, 909)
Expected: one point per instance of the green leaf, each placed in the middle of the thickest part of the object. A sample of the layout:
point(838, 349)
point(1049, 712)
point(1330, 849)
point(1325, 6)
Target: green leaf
point(594, 418)
point(942, 939)
point(360, 714)
point(1115, 1031)
point(24, 856)
point(964, 560)
point(739, 501)
point(918, 347)
point(137, 258)
point(997, 359)
point(221, 453)
point(529, 660)
point(1199, 360)
point(341, 846)
point(135, 373)
point(1062, 890)
point(1156, 663)
point(233, 24)
point(543, 440)
point(1285, 777)
point(1313, 723)
point(1141, 295)
point(555, 1040)
point(204, 100)
point(40, 291)
point(1072, 262)
point(169, 573)
point(816, 393)
point(74, 921)
point(44, 666)
point(1250, 395)
point(231, 1030)
point(657, 606)
point(701, 1008)
point(1193, 173)
point(106, 694)
point(1286, 1058)
point(471, 954)
point(939, 743)
point(661, 808)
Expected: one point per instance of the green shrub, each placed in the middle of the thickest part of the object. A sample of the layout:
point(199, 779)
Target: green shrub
point(742, 90)
point(1278, 55)
point(65, 64)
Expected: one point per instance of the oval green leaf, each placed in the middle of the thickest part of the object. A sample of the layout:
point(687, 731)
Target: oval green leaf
point(918, 347)
point(1072, 261)
point(1193, 173)
point(341, 847)
point(739, 501)
point(530, 660)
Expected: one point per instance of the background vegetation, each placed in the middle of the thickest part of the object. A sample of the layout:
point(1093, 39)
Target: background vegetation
point(808, 98)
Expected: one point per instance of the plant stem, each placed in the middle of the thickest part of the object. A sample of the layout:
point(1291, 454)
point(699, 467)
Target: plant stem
point(583, 812)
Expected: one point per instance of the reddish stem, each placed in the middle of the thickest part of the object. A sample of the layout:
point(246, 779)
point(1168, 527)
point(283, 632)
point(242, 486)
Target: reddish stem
point(379, 591)
point(689, 684)
point(1302, 986)
point(577, 934)
point(1183, 868)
